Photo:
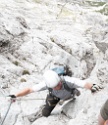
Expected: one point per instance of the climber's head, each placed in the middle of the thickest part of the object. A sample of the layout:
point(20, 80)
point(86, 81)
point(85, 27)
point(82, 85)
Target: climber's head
point(52, 79)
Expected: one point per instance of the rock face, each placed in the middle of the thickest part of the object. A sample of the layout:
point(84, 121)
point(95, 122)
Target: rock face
point(35, 35)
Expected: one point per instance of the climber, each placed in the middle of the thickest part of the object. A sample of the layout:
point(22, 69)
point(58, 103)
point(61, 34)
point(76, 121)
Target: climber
point(103, 116)
point(61, 87)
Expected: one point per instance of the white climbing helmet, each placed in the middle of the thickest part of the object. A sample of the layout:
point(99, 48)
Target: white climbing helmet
point(51, 78)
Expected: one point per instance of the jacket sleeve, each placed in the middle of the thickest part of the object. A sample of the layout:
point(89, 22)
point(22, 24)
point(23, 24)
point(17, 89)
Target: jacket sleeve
point(39, 87)
point(75, 81)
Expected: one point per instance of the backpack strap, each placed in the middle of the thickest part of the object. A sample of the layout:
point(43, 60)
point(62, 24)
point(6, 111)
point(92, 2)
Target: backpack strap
point(74, 91)
point(50, 91)
point(68, 88)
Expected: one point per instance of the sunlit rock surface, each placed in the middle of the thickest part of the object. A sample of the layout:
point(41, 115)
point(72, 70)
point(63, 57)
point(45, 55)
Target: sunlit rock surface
point(35, 35)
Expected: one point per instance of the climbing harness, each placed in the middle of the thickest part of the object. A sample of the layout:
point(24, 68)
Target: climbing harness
point(6, 112)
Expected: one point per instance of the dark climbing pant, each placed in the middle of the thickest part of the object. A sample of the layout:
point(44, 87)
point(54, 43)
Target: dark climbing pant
point(51, 102)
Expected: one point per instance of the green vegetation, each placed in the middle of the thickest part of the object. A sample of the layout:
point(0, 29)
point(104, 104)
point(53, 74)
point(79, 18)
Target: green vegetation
point(95, 4)
point(24, 58)
point(23, 80)
point(16, 63)
point(104, 11)
point(25, 72)
point(52, 39)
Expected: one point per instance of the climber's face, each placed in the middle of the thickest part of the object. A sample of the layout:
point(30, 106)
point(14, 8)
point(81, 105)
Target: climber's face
point(59, 86)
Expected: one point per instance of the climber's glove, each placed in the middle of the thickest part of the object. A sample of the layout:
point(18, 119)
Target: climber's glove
point(96, 88)
point(12, 98)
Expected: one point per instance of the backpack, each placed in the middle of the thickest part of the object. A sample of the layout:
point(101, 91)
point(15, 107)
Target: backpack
point(60, 70)
point(63, 70)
